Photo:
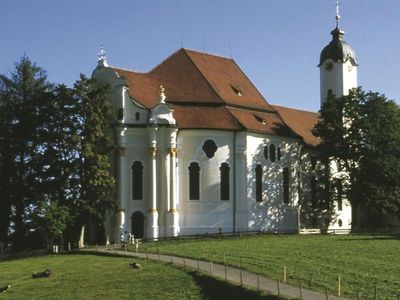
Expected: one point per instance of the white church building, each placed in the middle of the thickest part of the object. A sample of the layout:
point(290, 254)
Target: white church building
point(200, 150)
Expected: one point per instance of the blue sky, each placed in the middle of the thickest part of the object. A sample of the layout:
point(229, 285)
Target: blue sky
point(277, 43)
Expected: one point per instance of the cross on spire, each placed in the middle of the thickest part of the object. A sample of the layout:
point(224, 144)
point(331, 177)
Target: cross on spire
point(102, 57)
point(337, 17)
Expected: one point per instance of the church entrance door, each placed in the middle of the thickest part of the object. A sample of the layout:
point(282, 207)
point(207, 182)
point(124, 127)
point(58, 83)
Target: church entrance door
point(137, 222)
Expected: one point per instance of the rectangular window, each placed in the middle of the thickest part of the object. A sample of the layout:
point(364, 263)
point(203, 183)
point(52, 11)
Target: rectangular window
point(194, 181)
point(339, 187)
point(313, 192)
point(224, 174)
point(286, 196)
point(137, 181)
point(258, 183)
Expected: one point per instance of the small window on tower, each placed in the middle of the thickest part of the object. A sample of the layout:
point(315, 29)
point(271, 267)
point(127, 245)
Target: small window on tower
point(272, 153)
point(266, 152)
point(278, 153)
point(137, 116)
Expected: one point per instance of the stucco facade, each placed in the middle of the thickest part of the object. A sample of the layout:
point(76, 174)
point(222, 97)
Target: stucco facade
point(206, 153)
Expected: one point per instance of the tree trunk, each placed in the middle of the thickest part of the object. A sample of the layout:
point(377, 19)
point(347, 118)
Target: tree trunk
point(82, 237)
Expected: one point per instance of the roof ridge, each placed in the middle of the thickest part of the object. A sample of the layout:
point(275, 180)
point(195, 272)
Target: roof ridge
point(127, 70)
point(207, 53)
point(292, 108)
point(204, 77)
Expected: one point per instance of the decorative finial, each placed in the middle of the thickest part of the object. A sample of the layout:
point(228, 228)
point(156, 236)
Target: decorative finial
point(101, 57)
point(337, 13)
point(162, 94)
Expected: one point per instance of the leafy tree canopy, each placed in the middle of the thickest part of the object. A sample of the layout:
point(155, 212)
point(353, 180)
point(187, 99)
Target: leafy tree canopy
point(360, 133)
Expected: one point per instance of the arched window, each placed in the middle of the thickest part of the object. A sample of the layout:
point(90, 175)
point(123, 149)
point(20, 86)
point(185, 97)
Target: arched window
point(194, 181)
point(278, 153)
point(266, 152)
point(286, 198)
point(137, 180)
point(340, 222)
point(137, 116)
point(313, 192)
point(224, 173)
point(272, 152)
point(209, 148)
point(258, 183)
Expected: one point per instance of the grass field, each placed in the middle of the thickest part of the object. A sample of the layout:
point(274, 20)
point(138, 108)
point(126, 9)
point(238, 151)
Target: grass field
point(363, 262)
point(105, 277)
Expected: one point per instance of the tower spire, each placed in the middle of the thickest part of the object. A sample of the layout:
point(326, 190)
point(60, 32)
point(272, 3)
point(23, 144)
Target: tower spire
point(337, 17)
point(102, 57)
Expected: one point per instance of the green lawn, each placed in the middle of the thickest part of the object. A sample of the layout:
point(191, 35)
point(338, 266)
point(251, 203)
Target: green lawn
point(105, 277)
point(362, 261)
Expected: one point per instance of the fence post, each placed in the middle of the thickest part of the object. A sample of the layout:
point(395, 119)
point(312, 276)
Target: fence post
point(210, 267)
point(198, 265)
point(375, 292)
point(338, 286)
point(226, 277)
point(357, 295)
point(279, 286)
point(241, 278)
point(284, 274)
point(224, 257)
point(258, 282)
point(301, 291)
point(326, 294)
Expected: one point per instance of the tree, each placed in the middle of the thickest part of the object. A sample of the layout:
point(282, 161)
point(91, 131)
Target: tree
point(360, 135)
point(23, 96)
point(96, 199)
point(54, 156)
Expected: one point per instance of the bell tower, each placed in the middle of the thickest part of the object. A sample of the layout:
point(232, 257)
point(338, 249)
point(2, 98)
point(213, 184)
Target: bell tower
point(337, 64)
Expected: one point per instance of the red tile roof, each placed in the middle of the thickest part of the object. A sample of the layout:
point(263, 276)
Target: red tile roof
point(211, 92)
point(301, 122)
point(204, 117)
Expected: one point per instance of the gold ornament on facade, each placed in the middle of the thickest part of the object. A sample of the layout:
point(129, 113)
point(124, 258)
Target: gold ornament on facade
point(152, 210)
point(173, 210)
point(153, 151)
point(173, 152)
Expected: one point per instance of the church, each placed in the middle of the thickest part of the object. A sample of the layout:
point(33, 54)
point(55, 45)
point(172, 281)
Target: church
point(200, 150)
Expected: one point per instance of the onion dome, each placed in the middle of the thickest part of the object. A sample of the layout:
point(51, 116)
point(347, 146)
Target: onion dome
point(338, 50)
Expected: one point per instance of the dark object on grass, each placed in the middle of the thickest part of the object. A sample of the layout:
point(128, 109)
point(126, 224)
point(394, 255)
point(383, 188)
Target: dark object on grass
point(135, 265)
point(43, 274)
point(4, 289)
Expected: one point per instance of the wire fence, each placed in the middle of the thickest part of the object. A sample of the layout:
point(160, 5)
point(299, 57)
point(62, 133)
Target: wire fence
point(268, 266)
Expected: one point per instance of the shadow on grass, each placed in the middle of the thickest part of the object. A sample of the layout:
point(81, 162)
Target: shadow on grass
point(370, 237)
point(213, 288)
